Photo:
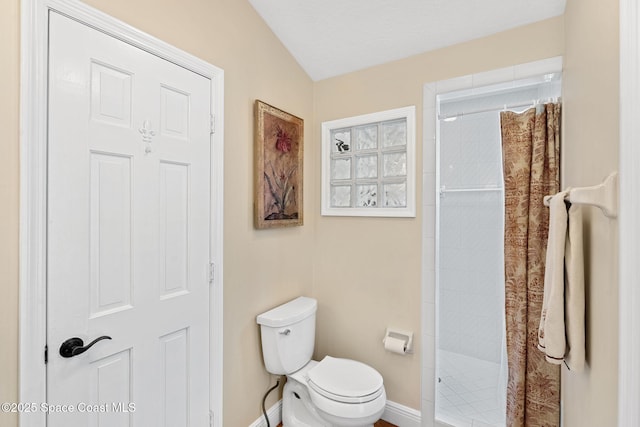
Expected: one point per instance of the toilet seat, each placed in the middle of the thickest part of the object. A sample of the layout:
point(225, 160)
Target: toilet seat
point(345, 380)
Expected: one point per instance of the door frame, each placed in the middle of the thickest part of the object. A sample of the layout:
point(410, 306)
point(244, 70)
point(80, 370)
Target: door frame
point(629, 211)
point(33, 191)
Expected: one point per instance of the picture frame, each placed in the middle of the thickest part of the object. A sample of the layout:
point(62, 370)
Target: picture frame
point(278, 171)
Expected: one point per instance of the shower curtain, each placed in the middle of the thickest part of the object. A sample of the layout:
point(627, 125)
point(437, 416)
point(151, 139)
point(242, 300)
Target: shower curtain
point(531, 161)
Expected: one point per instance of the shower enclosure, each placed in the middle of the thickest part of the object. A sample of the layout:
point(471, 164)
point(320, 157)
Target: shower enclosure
point(471, 365)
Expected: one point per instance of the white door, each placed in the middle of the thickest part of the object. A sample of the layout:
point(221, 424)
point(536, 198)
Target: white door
point(128, 234)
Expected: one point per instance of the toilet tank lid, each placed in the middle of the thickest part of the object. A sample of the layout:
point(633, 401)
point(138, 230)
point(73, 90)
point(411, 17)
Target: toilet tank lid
point(288, 313)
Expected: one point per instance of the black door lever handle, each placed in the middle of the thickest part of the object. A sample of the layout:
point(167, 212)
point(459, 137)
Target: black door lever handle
point(75, 346)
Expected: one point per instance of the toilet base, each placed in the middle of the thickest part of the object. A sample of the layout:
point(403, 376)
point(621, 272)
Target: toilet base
point(298, 411)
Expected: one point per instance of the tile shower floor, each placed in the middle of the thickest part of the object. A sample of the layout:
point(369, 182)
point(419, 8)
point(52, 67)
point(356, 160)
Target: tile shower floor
point(467, 392)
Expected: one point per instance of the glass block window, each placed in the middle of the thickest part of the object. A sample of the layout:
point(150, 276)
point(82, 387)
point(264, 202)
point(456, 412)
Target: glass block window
point(369, 165)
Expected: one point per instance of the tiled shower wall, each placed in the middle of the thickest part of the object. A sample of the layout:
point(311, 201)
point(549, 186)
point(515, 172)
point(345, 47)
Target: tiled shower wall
point(470, 245)
point(471, 275)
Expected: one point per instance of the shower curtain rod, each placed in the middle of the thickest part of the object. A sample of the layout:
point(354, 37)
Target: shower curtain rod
point(496, 108)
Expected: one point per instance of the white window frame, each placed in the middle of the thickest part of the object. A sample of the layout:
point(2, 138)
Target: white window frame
point(406, 113)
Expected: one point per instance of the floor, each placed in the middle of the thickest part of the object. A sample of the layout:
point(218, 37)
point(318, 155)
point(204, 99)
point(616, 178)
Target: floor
point(469, 392)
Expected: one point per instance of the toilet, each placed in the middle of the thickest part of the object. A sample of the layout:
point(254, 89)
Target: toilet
point(333, 392)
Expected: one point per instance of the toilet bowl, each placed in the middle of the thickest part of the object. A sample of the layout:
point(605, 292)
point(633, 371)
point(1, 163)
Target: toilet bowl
point(333, 392)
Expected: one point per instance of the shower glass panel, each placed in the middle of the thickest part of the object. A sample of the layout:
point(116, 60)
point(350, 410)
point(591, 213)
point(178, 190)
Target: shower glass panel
point(471, 366)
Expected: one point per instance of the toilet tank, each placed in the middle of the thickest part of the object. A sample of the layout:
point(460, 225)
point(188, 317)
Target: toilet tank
point(288, 335)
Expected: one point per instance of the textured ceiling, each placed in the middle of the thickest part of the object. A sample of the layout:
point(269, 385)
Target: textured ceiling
point(333, 37)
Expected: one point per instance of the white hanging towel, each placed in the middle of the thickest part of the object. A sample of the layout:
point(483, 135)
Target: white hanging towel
point(551, 338)
point(561, 331)
point(574, 303)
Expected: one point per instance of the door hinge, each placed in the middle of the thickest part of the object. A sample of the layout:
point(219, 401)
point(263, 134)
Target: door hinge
point(212, 118)
point(212, 271)
point(210, 418)
point(46, 354)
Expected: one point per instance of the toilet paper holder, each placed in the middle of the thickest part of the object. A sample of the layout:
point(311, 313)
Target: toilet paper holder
point(399, 334)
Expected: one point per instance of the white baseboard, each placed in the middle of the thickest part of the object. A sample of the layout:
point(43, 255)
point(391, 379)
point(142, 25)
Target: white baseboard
point(401, 415)
point(395, 413)
point(275, 416)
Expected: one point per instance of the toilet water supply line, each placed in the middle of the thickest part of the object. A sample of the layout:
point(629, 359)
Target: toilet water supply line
point(264, 399)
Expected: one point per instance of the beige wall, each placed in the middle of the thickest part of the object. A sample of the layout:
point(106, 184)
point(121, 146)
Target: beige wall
point(591, 140)
point(9, 193)
point(368, 270)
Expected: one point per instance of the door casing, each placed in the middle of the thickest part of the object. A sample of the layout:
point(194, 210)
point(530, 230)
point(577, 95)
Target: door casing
point(629, 211)
point(33, 190)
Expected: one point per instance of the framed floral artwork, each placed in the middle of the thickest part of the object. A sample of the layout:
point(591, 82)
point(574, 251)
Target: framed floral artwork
point(278, 167)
